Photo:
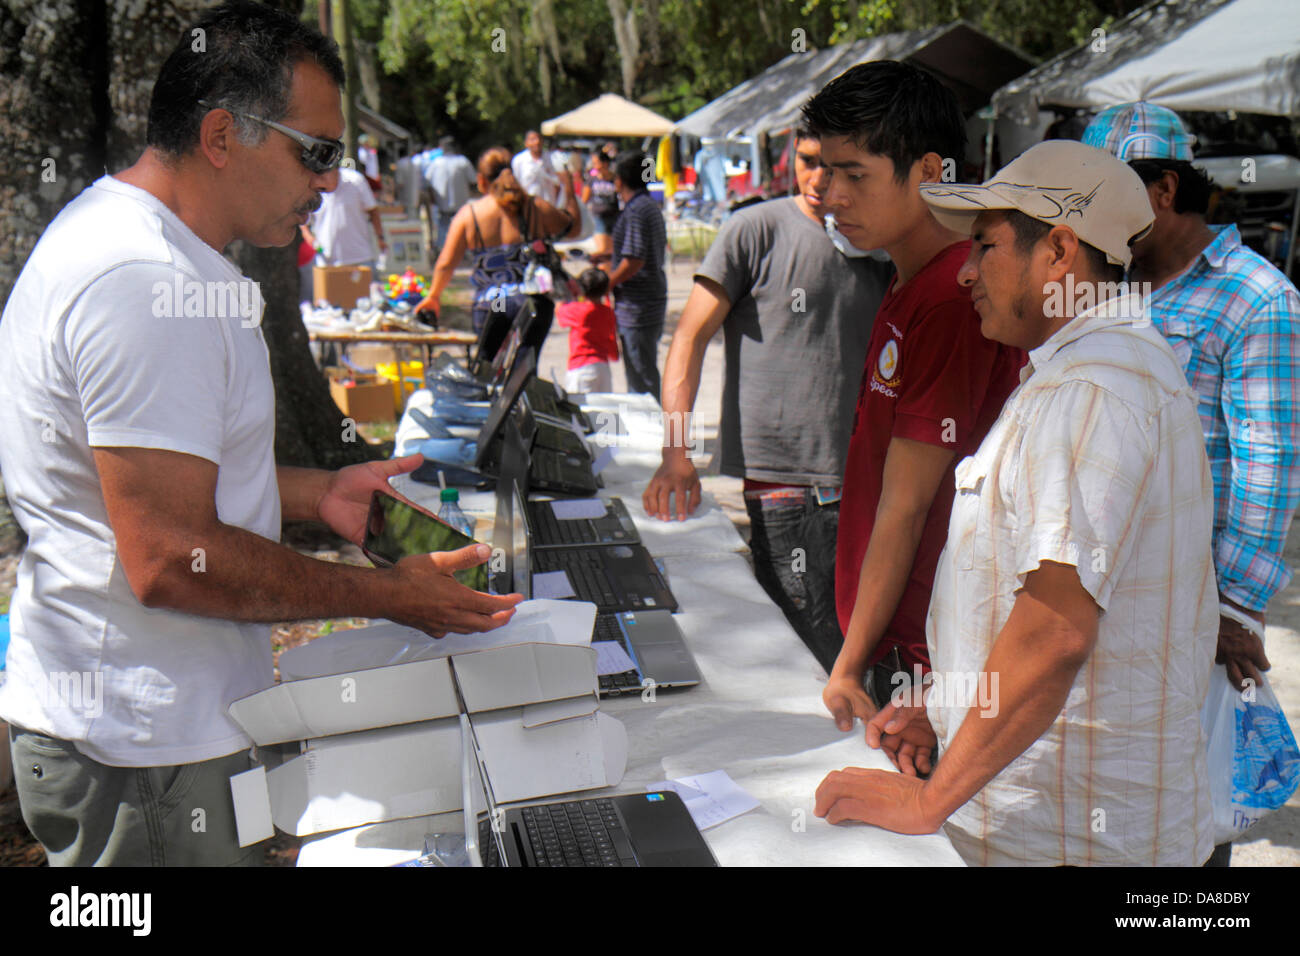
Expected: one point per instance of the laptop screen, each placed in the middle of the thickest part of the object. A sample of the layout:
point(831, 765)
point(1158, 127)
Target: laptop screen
point(525, 367)
point(510, 530)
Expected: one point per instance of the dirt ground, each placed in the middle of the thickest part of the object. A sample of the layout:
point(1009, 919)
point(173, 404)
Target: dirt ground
point(1273, 842)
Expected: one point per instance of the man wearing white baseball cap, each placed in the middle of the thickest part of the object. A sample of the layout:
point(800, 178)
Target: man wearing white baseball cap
point(1072, 622)
point(1233, 321)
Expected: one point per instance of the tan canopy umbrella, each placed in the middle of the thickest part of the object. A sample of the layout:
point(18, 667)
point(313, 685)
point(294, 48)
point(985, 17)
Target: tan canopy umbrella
point(608, 115)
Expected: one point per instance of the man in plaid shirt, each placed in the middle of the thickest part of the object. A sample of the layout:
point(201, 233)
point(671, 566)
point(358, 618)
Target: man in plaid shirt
point(1233, 320)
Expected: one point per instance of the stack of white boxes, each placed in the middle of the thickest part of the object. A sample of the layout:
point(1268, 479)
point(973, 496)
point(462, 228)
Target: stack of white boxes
point(374, 718)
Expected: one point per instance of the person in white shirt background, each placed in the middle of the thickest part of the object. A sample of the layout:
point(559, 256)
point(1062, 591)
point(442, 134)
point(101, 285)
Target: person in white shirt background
point(532, 167)
point(340, 229)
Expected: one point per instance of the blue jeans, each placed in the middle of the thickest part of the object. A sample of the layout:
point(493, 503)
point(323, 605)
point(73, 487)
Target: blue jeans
point(641, 357)
point(793, 545)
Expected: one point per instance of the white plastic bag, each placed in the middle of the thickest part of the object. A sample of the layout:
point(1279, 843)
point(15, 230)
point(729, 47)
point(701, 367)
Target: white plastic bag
point(1254, 764)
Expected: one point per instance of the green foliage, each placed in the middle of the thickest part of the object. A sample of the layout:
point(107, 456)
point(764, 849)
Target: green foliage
point(489, 69)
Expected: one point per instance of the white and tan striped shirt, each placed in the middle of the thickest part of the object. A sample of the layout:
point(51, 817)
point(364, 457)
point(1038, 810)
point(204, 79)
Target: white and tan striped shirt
point(1097, 461)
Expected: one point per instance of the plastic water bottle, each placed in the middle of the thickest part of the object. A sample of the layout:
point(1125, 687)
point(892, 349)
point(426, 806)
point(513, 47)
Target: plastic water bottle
point(450, 512)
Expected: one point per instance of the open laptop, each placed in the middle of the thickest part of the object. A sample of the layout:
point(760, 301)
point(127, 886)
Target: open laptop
point(614, 577)
point(568, 523)
point(631, 829)
point(653, 644)
point(554, 471)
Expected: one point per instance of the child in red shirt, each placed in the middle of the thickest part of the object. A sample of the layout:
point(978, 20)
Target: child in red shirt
point(593, 338)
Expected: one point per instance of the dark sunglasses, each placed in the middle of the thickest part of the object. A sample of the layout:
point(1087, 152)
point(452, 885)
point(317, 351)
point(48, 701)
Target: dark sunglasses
point(318, 155)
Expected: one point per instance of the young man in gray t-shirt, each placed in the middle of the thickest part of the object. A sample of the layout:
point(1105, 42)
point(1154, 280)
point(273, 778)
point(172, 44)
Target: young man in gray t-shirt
point(797, 316)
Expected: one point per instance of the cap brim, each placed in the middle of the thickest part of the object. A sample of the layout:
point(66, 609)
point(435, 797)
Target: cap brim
point(957, 205)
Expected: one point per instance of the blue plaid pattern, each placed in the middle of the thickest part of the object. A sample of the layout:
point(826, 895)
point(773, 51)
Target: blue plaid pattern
point(1234, 322)
point(1140, 131)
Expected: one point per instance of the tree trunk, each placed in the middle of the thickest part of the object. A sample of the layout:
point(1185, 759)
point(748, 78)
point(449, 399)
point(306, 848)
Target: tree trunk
point(310, 431)
point(75, 81)
point(628, 42)
point(53, 117)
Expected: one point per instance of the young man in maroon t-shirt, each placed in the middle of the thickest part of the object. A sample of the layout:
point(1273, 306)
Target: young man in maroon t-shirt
point(932, 385)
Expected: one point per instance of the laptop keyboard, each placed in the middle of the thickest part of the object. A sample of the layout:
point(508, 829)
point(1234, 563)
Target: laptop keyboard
point(487, 844)
point(553, 531)
point(607, 629)
point(546, 468)
point(586, 573)
point(579, 833)
point(562, 439)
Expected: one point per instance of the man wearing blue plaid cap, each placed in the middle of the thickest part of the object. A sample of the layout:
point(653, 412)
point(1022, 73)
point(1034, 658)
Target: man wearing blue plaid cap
point(1233, 320)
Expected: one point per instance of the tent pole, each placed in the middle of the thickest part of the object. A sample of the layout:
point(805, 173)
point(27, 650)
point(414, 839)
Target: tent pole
point(988, 147)
point(1290, 246)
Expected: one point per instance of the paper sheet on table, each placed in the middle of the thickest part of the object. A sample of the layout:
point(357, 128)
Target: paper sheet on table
point(611, 658)
point(552, 584)
point(576, 508)
point(711, 798)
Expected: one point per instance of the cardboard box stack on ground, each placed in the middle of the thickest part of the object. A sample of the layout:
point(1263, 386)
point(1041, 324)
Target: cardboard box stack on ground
point(374, 714)
point(368, 399)
point(340, 285)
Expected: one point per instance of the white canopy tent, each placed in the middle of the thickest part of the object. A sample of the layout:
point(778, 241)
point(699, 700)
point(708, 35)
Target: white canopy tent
point(1187, 55)
point(971, 63)
point(608, 115)
point(1208, 55)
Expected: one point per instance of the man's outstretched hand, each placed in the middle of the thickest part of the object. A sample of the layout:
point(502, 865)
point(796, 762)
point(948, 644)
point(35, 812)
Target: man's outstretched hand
point(345, 505)
point(429, 598)
point(888, 800)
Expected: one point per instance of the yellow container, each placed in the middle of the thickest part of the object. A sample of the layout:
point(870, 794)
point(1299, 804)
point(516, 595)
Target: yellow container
point(412, 375)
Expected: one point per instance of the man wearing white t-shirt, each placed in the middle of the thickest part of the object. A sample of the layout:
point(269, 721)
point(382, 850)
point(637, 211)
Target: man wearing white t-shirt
point(340, 227)
point(532, 167)
point(139, 417)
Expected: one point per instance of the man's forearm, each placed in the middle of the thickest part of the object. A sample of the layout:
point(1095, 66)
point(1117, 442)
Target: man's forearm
point(301, 490)
point(626, 269)
point(681, 384)
point(886, 568)
point(234, 574)
point(1027, 678)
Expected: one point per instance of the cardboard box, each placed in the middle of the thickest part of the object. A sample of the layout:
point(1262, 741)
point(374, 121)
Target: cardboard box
point(365, 356)
point(376, 712)
point(340, 285)
point(369, 399)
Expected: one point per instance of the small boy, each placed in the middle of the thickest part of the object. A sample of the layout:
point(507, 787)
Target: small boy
point(593, 339)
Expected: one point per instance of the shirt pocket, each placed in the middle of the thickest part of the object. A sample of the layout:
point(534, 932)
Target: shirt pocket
point(971, 477)
point(1181, 336)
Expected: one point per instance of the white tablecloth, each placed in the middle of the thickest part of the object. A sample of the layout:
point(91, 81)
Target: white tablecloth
point(757, 714)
